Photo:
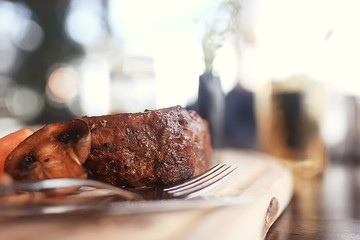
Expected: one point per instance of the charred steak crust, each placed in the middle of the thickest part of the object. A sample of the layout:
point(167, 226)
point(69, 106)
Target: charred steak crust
point(150, 149)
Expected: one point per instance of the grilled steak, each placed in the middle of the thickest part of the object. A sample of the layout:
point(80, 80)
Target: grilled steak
point(154, 148)
point(150, 149)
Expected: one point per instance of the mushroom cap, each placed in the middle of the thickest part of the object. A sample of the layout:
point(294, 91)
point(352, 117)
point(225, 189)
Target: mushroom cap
point(54, 151)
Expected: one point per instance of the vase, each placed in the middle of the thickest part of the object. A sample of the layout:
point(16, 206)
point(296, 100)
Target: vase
point(211, 106)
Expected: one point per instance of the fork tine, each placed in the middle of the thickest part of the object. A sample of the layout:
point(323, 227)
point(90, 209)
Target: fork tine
point(209, 177)
point(197, 187)
point(203, 178)
point(204, 175)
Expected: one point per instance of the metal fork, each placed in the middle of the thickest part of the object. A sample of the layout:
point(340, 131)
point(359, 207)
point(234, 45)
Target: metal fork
point(204, 182)
point(187, 189)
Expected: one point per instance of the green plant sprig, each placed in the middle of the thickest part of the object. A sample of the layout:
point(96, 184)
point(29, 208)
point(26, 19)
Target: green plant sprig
point(225, 22)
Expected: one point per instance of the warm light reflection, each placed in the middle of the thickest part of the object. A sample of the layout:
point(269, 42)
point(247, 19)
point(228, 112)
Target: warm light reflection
point(62, 85)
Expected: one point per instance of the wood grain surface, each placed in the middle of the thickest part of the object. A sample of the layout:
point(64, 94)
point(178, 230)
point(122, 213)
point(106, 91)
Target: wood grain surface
point(252, 199)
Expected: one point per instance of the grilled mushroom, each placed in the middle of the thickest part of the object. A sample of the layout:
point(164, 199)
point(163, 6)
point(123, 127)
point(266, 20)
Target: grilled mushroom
point(55, 151)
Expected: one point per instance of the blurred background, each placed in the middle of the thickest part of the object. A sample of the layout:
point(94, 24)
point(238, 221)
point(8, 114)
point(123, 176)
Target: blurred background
point(62, 59)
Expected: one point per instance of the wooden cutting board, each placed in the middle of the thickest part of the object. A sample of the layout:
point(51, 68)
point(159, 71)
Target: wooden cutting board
point(244, 206)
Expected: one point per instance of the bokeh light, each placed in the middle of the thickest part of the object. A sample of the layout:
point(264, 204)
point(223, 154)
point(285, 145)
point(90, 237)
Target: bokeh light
point(28, 35)
point(17, 32)
point(62, 85)
point(23, 102)
point(84, 24)
point(8, 56)
point(17, 26)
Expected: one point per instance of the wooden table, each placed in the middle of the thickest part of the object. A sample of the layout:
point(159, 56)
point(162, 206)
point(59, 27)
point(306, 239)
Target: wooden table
point(326, 207)
point(243, 207)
